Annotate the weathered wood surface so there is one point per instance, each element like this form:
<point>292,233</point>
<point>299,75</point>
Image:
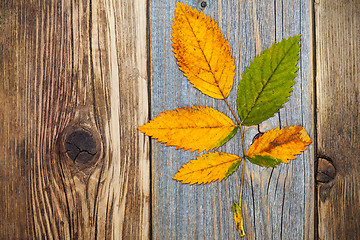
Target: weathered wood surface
<point>337,25</point>
<point>279,203</point>
<point>70,65</point>
<point>67,66</point>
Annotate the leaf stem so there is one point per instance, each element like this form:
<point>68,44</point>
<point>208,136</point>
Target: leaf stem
<point>238,214</point>
<point>242,140</point>
<point>244,159</point>
<point>242,180</point>
<point>238,122</point>
<point>241,227</point>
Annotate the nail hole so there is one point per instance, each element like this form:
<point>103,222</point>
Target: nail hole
<point>203,4</point>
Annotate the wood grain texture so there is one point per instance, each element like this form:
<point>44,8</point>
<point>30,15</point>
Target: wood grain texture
<point>68,65</point>
<point>278,203</point>
<point>337,25</point>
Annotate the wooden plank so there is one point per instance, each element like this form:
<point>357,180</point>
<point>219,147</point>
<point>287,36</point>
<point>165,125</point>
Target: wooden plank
<point>278,203</point>
<point>337,25</point>
<point>73,92</point>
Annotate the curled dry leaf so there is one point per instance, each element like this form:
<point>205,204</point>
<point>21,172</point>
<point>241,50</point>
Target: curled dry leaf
<point>207,168</point>
<point>238,218</point>
<point>202,52</point>
<point>280,143</point>
<point>195,128</point>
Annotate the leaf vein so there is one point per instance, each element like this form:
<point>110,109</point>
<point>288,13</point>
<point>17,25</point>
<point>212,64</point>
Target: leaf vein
<point>267,82</point>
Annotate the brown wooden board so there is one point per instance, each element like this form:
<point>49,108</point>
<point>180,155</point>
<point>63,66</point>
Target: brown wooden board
<point>73,90</point>
<point>337,26</point>
<point>278,203</point>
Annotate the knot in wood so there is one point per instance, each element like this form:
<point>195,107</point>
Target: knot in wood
<point>80,146</point>
<point>325,170</point>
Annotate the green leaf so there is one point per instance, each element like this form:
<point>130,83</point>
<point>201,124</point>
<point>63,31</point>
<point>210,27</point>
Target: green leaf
<point>267,84</point>
<point>232,169</point>
<point>264,161</point>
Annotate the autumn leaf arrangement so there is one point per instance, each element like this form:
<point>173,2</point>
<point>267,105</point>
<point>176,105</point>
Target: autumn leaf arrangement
<point>205,58</point>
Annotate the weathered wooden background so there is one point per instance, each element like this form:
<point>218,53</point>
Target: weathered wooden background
<point>279,203</point>
<point>73,78</point>
<point>79,77</point>
<point>337,40</point>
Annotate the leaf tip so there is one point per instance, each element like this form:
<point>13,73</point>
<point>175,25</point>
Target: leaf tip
<point>142,128</point>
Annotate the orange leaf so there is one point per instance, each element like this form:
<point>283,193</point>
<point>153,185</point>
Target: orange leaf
<point>207,168</point>
<point>196,128</point>
<point>202,52</point>
<point>281,144</point>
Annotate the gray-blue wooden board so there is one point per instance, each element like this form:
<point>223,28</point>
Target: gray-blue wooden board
<point>278,203</point>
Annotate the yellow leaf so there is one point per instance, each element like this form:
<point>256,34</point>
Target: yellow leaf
<point>196,128</point>
<point>207,168</point>
<point>202,52</point>
<point>281,144</point>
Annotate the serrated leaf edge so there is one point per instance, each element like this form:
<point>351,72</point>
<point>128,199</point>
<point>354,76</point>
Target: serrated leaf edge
<point>251,65</point>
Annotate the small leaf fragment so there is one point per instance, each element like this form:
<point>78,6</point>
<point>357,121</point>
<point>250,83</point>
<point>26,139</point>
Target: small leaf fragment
<point>195,128</point>
<point>280,143</point>
<point>264,161</point>
<point>232,169</point>
<point>202,52</point>
<point>238,218</point>
<point>207,168</point>
<point>267,84</point>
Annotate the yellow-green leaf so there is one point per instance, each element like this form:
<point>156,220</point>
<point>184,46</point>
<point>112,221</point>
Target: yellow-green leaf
<point>207,168</point>
<point>280,143</point>
<point>232,169</point>
<point>195,128</point>
<point>202,52</point>
<point>238,218</point>
<point>264,161</point>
